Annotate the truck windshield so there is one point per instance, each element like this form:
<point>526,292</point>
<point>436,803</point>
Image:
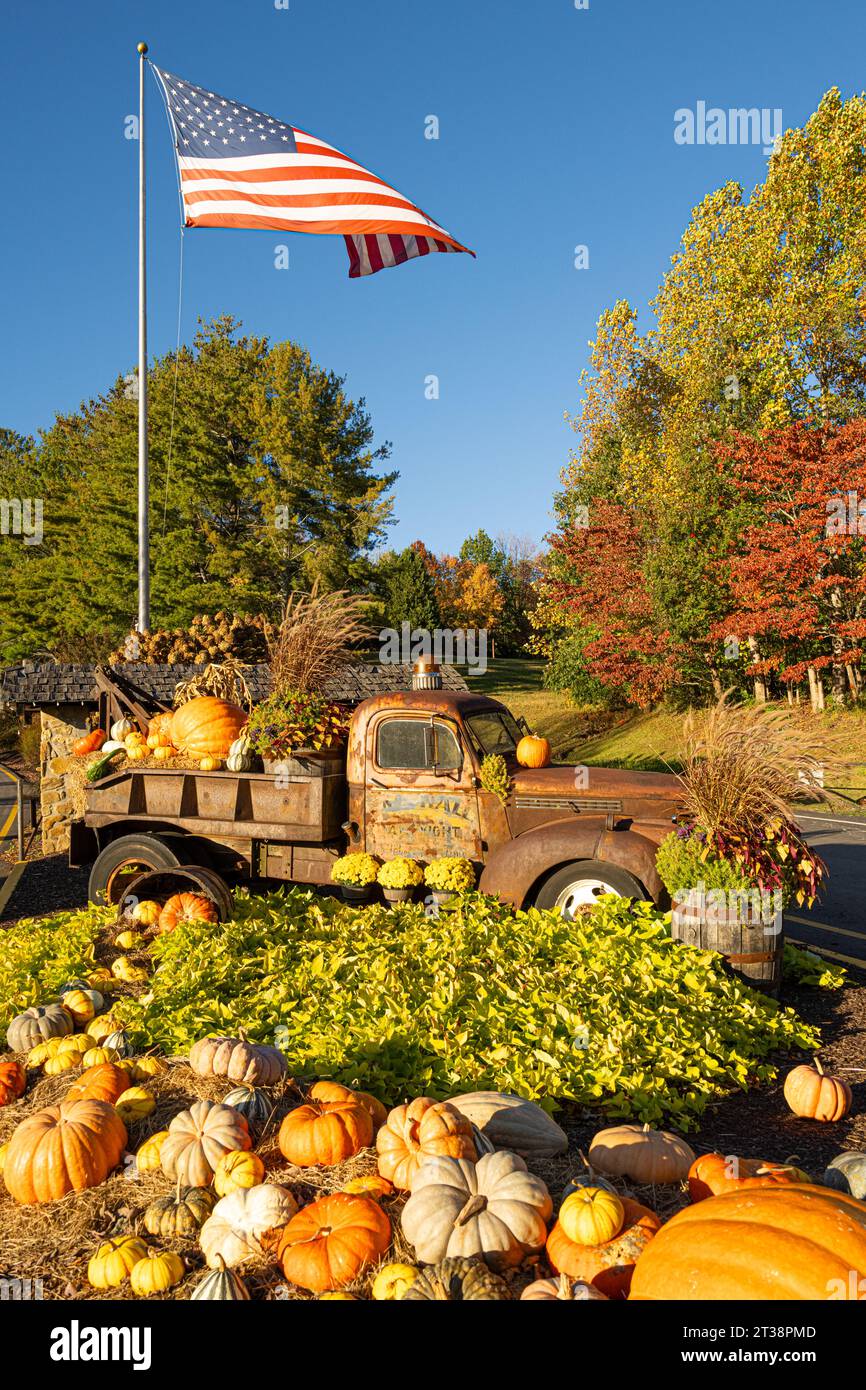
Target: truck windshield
<point>495,731</point>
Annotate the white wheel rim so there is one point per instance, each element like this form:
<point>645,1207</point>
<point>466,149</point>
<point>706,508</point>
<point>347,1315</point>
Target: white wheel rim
<point>583,893</point>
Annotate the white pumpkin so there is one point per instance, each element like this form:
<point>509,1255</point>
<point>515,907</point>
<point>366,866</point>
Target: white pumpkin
<point>121,729</point>
<point>510,1122</point>
<point>239,1223</point>
<point>494,1208</point>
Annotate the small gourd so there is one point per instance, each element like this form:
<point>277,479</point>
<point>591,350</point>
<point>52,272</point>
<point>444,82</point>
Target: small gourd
<point>114,1261</point>
<point>221,1285</point>
<point>159,1271</point>
<point>239,762</point>
<point>135,1104</point>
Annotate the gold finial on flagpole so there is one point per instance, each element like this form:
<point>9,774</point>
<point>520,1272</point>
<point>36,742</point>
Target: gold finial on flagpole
<point>142,48</point>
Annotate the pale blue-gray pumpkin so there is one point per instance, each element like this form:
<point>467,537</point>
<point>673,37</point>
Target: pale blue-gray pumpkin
<point>847,1173</point>
<point>37,1025</point>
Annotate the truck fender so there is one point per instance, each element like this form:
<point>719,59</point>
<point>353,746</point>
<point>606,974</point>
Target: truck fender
<point>514,869</point>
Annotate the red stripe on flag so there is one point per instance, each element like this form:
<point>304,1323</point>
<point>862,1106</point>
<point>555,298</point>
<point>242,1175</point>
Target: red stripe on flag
<point>281,173</point>
<point>399,247</point>
<point>354,258</point>
<point>376,262</point>
<point>323,200</point>
<point>363,226</point>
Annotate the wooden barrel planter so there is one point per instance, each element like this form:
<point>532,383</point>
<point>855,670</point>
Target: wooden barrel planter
<point>753,956</point>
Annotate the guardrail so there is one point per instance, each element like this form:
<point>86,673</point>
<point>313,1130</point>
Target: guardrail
<point>17,812</point>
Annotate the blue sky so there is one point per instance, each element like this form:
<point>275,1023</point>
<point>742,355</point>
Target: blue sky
<point>556,129</point>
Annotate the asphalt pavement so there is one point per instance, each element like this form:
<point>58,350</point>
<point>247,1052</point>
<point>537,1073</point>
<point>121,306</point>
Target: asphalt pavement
<point>837,924</point>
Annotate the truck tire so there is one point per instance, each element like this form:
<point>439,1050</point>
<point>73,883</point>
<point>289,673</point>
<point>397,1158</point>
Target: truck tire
<point>577,885</point>
<point>124,859</point>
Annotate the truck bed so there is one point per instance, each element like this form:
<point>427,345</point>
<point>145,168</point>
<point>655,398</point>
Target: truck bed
<point>306,803</point>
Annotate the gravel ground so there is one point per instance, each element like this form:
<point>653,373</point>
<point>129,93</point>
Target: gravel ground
<point>48,885</point>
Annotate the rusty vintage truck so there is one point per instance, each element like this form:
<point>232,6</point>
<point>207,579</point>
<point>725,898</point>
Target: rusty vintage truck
<point>408,783</point>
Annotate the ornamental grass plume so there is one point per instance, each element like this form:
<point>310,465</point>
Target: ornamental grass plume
<point>318,635</point>
<point>744,766</point>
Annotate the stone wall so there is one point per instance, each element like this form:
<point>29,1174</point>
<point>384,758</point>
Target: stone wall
<point>62,786</point>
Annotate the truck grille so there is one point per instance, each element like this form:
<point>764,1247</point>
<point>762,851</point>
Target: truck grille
<point>603,805</point>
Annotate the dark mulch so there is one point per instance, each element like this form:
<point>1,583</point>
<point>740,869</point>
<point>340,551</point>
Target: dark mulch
<point>758,1123</point>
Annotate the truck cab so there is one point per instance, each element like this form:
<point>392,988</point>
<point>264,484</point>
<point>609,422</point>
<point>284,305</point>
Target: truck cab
<point>563,836</point>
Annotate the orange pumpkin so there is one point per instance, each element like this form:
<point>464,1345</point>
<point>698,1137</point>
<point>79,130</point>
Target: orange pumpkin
<point>64,1148</point>
<point>90,743</point>
<point>712,1174</point>
<point>161,723</point>
<point>325,1132</point>
<point>186,907</point>
<point>422,1129</point>
<point>331,1242</point>
<point>792,1242</point>
<point>105,1082</point>
<point>13,1079</point>
<point>206,726</point>
<point>813,1095</point>
<point>608,1267</point>
<point>533,751</point>
<point>333,1090</point>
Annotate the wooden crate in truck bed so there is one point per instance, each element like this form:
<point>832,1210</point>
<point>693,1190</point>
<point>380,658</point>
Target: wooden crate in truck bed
<point>305,803</point>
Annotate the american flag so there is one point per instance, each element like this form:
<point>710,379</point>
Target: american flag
<point>241,168</point>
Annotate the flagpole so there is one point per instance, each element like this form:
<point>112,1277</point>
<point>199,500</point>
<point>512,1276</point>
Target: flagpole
<point>143,470</point>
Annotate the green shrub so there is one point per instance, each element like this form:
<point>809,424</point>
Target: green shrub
<point>606,1010</point>
<point>36,958</point>
<point>684,861</point>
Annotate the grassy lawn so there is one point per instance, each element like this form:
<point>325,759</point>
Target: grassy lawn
<point>649,742</point>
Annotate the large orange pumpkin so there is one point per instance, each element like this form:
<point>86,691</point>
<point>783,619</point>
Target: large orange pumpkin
<point>422,1129</point>
<point>792,1242</point>
<point>325,1132</point>
<point>608,1267</point>
<point>330,1242</point>
<point>13,1079</point>
<point>712,1174</point>
<point>533,751</point>
<point>64,1148</point>
<point>102,1082</point>
<point>186,907</point>
<point>334,1090</point>
<point>815,1096</point>
<point>206,726</point>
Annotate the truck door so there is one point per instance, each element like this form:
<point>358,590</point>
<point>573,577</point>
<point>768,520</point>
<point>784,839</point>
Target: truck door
<point>420,797</point>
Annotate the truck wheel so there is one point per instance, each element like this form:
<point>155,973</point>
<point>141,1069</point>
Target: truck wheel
<point>123,860</point>
<point>577,886</point>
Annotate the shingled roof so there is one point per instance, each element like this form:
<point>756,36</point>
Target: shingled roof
<point>34,684</point>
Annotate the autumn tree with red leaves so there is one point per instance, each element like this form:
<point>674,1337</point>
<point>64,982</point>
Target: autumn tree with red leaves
<point>798,583</point>
<point>608,595</point>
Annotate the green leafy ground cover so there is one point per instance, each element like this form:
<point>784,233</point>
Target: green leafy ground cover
<point>605,1011</point>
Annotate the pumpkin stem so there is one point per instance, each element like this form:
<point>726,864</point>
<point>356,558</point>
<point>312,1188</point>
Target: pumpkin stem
<point>471,1208</point>
<point>819,1069</point>
<point>564,1287</point>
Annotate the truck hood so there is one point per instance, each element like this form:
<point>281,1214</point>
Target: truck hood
<point>636,792</point>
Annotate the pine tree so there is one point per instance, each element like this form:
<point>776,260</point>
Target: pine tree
<point>410,594</point>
